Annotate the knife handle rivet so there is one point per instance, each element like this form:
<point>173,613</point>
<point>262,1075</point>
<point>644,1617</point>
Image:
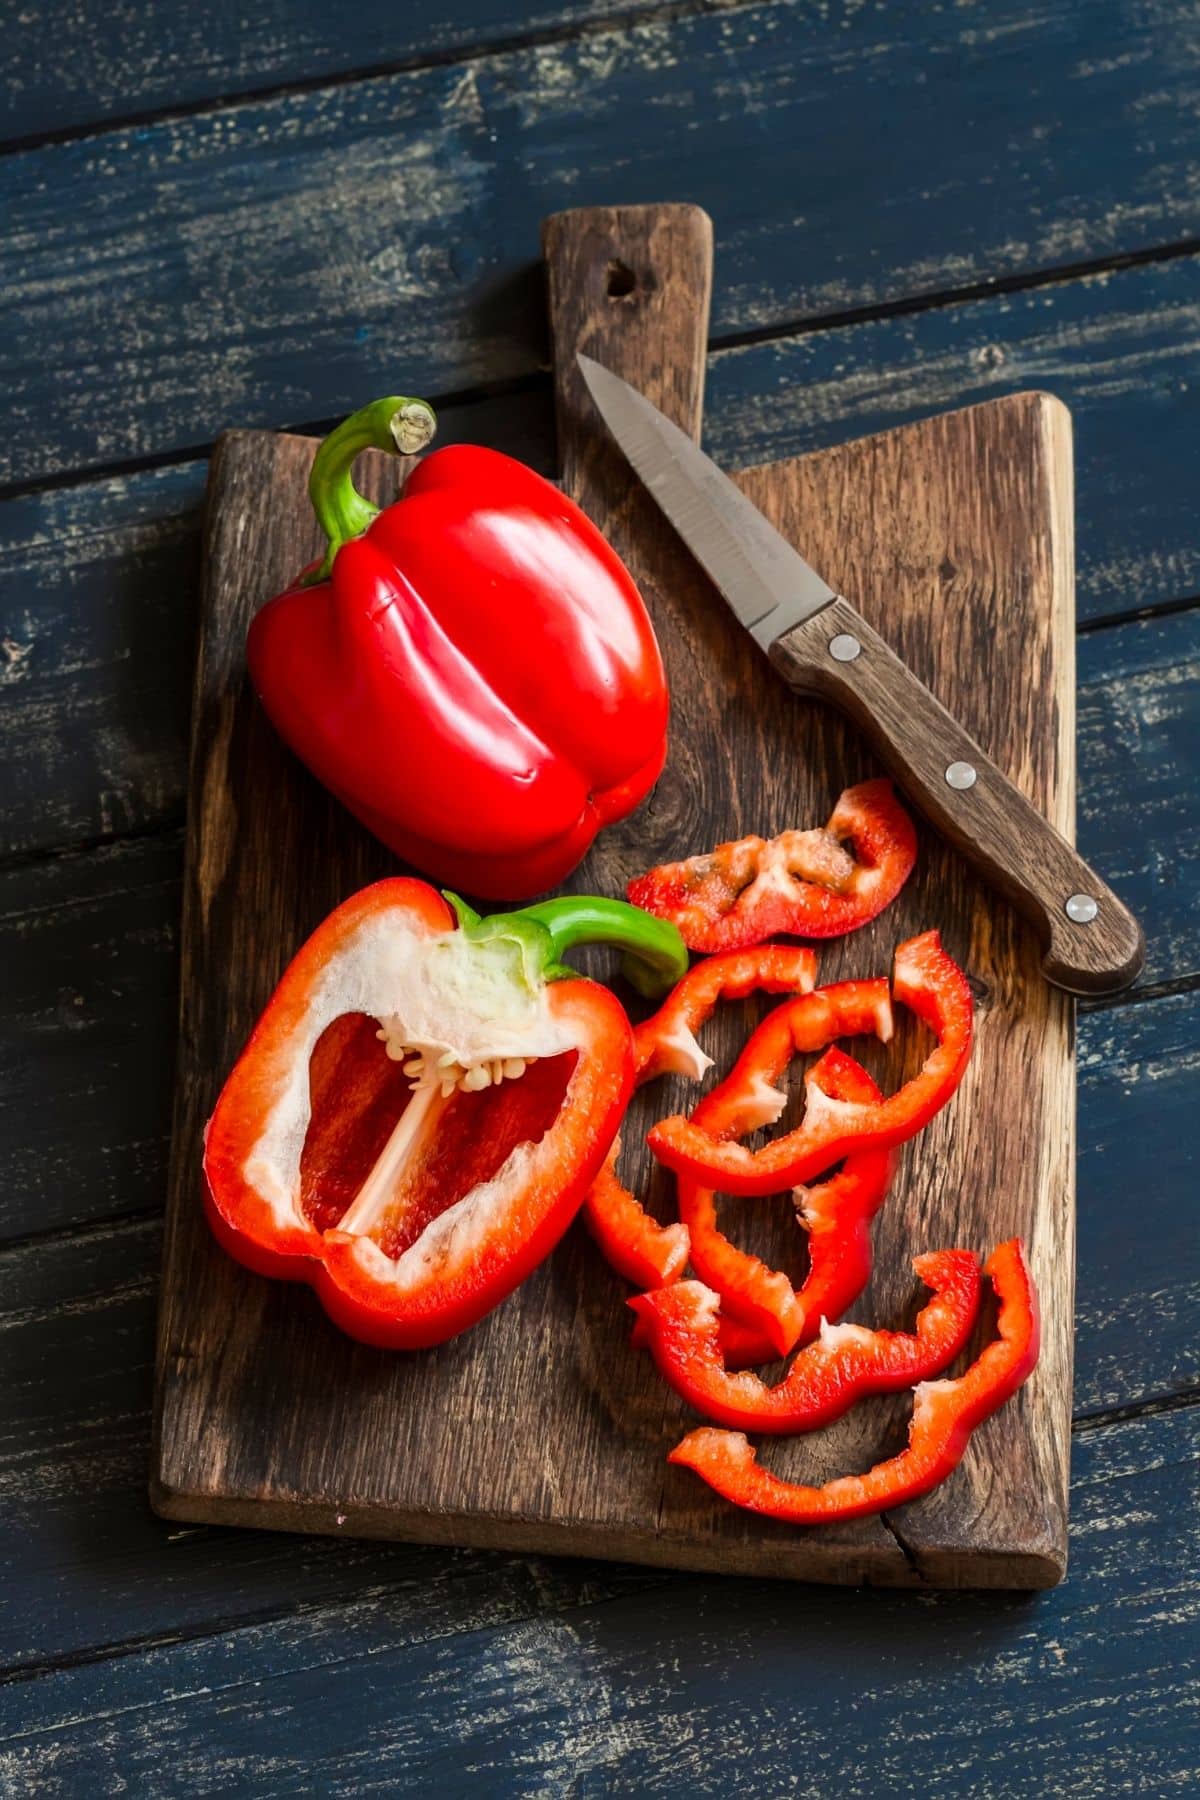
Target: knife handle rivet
<point>961,775</point>
<point>844,647</point>
<point>1081,909</point>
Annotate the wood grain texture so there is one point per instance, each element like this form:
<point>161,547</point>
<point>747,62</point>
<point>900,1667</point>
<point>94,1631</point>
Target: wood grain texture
<point>289,257</point>
<point>680,1685</point>
<point>548,1431</point>
<point>634,283</point>
<point>988,820</point>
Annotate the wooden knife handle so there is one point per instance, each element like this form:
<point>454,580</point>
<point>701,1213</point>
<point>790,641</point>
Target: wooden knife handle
<point>631,286</point>
<point>836,656</point>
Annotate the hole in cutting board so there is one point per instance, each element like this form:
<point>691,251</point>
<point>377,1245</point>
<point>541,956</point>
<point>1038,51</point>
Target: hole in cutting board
<point>621,281</point>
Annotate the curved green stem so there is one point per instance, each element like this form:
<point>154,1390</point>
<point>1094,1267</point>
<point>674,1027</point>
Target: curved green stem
<point>399,426</point>
<point>656,956</point>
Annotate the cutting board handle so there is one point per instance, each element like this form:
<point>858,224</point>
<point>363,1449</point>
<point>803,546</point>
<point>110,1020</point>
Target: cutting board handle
<point>631,286</point>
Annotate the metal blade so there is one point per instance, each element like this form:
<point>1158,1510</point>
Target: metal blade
<point>769,585</point>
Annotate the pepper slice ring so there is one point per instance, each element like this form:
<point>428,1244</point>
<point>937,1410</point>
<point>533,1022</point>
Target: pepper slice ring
<point>836,1213</point>
<point>829,1376</point>
<point>633,1242</point>
<point>944,1415</point>
<point>931,985</point>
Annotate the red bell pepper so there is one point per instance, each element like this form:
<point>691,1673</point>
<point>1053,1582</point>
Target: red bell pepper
<point>944,1415</point>
<point>800,884</point>
<point>471,670</point>
<point>636,1245</point>
<point>925,980</point>
<point>844,1365</point>
<point>837,1214</point>
<point>423,1105</point>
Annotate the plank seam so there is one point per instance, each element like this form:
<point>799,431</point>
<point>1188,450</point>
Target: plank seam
<point>1136,1409</point>
<point>1153,990</point>
<point>719,344</point>
<point>481,50</point>
<point>1134,615</point>
<point>1026,281</point>
<point>111,1225</point>
<point>15,1673</point>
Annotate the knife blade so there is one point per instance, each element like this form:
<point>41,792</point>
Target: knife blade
<point>822,647</point>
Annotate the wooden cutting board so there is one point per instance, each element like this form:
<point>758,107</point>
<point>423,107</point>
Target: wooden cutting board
<point>542,1429</point>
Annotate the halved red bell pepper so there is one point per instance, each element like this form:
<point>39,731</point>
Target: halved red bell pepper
<point>423,1105</point>
<point>930,984</point>
<point>845,1364</point>
<point>944,1415</point>
<point>799,884</point>
<point>636,1245</point>
<point>471,670</point>
<point>836,1213</point>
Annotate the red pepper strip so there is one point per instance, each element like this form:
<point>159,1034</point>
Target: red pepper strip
<point>742,1346</point>
<point>837,1213</point>
<point>943,1417</point>
<point>826,1379</point>
<point>414,1181</point>
<point>927,981</point>
<point>470,670</point>
<point>636,1245</point>
<point>800,884</point>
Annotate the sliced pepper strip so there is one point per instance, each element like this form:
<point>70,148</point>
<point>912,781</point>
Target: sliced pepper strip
<point>944,1415</point>
<point>636,1245</point>
<point>704,1147</point>
<point>799,884</point>
<point>846,1363</point>
<point>837,1214</point>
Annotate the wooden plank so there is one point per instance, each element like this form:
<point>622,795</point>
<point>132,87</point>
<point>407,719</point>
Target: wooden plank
<point>66,926</point>
<point>697,1686</point>
<point>98,601</point>
<point>98,637</point>
<point>90,954</point>
<point>281,259</point>
<point>1138,1063</point>
<point>552,1462</point>
<point>1139,735</point>
<point>62,66</point>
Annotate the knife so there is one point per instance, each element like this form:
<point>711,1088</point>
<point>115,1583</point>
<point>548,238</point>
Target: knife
<point>821,646</point>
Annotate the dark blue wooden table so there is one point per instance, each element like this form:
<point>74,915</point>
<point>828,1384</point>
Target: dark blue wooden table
<point>208,218</point>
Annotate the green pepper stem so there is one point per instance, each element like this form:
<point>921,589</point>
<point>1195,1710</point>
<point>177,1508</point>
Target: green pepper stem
<point>399,426</point>
<point>656,956</point>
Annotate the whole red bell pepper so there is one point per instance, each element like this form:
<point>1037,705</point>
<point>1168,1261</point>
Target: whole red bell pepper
<point>424,1103</point>
<point>799,884</point>
<point>930,984</point>
<point>636,1245</point>
<point>682,1329</point>
<point>944,1415</point>
<point>471,670</point>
